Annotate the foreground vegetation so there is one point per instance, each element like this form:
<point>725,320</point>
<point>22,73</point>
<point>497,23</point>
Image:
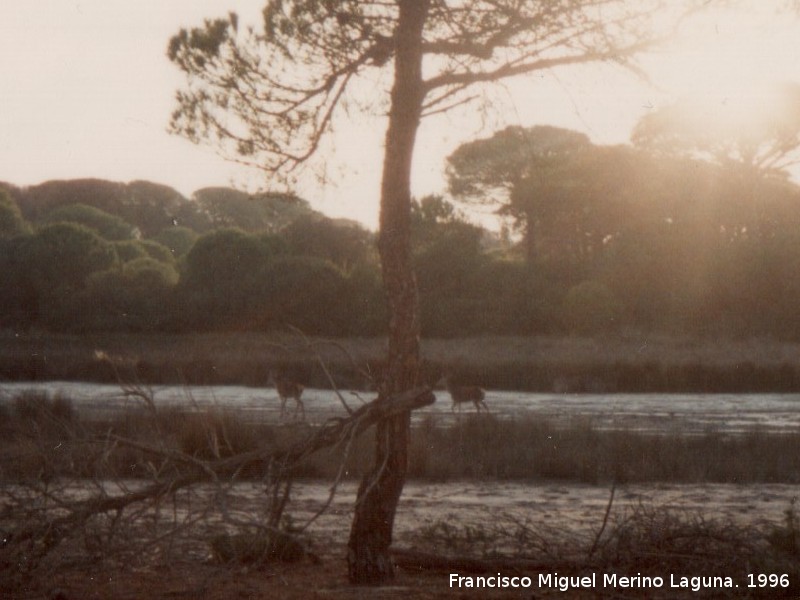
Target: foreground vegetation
<point>43,434</point>
<point>74,490</point>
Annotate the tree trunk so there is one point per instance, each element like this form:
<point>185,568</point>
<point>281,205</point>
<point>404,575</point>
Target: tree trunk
<point>369,561</point>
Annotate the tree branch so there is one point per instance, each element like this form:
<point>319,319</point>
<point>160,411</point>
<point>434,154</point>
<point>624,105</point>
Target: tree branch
<point>507,70</point>
<point>331,433</point>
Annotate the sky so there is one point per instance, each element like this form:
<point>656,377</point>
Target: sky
<point>86,90</point>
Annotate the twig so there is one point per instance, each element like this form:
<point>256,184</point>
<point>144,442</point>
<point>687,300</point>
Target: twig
<point>78,513</point>
<point>324,367</point>
<point>605,521</point>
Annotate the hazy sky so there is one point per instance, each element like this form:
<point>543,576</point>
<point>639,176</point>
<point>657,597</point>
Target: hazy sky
<point>86,90</point>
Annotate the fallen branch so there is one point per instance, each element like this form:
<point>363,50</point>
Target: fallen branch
<point>331,433</point>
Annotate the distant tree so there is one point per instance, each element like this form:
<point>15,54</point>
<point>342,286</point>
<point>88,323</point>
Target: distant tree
<point>430,215</point>
<point>302,291</point>
<point>18,304</point>
<point>516,299</point>
<point>108,226</point>
<point>135,297</point>
<point>752,144</point>
<point>445,269</point>
<point>11,221</point>
<point>220,275</point>
<point>153,206</point>
<point>344,243</point>
<point>660,275</point>
<point>754,289</point>
<point>63,255</point>
<point>220,258</point>
<point>151,271</point>
<point>12,190</point>
<point>157,251</point>
<point>274,243</point>
<point>363,301</point>
<point>131,250</point>
<point>128,250</point>
<point>40,199</point>
<point>145,205</point>
<point>178,239</point>
<point>432,210</point>
<point>227,207</point>
<point>19,301</point>
<point>467,288</point>
<point>53,265</point>
<point>447,251</point>
<point>267,98</point>
<point>762,138</point>
<point>536,175</point>
<point>236,280</point>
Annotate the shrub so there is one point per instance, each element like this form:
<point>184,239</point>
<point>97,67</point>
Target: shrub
<point>256,548</point>
<point>214,434</point>
<point>11,221</point>
<point>179,240</point>
<point>106,225</point>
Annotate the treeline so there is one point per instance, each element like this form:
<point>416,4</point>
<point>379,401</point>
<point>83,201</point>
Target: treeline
<point>621,240</point>
<point>93,255</point>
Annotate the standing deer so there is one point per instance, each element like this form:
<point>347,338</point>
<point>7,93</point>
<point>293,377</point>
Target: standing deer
<point>461,394</point>
<point>288,388</point>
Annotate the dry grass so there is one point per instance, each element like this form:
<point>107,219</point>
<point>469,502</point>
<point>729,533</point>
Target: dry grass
<point>41,434</point>
<point>646,540</point>
<point>481,447</point>
<point>48,452</point>
<point>622,363</point>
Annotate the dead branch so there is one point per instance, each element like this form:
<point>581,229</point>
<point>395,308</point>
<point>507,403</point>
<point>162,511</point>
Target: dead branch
<point>596,542</point>
<point>197,471</point>
<point>324,367</point>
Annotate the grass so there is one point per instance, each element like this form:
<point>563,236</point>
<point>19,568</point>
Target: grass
<point>42,439</point>
<point>631,363</point>
<point>484,448</point>
<point>43,435</point>
<point>653,542</point>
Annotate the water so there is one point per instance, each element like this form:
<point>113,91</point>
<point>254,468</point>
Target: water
<point>643,412</point>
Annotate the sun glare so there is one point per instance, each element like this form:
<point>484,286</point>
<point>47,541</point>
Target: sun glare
<point>730,61</point>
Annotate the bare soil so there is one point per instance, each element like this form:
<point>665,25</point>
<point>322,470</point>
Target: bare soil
<point>561,512</point>
<point>213,582</point>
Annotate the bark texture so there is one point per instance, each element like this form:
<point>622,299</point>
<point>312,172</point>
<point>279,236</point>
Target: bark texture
<point>368,557</point>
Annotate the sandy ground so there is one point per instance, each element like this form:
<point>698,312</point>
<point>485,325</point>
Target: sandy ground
<point>565,514</point>
<point>575,509</point>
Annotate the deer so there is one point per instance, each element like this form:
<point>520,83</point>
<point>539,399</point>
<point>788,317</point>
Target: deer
<point>288,388</point>
<point>461,394</point>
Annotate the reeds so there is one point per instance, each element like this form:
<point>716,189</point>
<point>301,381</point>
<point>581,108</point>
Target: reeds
<point>621,364</point>
<point>482,447</point>
<point>44,434</point>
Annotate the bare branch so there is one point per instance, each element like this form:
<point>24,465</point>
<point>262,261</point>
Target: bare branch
<point>267,100</point>
<point>512,70</point>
